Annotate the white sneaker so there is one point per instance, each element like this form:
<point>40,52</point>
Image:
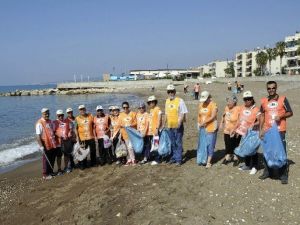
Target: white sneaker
<point>253,171</point>
<point>154,163</point>
<point>49,177</point>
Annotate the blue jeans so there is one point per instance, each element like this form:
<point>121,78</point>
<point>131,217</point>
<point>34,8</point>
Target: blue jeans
<point>176,135</point>
<point>211,138</point>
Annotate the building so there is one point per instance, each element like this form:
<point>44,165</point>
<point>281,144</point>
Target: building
<point>163,73</point>
<point>217,68</point>
<point>292,54</point>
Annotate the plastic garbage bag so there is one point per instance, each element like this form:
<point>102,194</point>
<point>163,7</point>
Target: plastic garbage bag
<point>202,147</point>
<point>136,139</point>
<point>248,144</point>
<point>106,141</point>
<point>273,148</point>
<point>164,147</point>
<point>80,153</point>
<point>155,144</point>
<point>121,150</point>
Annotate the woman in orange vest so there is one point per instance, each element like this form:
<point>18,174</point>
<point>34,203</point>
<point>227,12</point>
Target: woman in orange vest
<point>128,118</point>
<point>101,128</point>
<point>248,118</point>
<point>155,122</point>
<point>46,140</point>
<point>142,118</point>
<point>85,134</point>
<point>63,132</point>
<point>115,131</point>
<point>228,123</point>
<point>207,118</point>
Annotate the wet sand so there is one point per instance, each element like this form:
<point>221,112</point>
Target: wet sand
<point>163,194</point>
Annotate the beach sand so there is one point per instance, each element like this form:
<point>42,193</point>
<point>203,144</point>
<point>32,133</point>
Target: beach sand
<point>163,194</point>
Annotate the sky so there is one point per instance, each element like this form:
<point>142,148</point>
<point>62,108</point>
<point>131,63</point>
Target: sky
<point>52,40</point>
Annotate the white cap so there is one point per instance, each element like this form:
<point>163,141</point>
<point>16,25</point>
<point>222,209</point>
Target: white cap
<point>170,87</point>
<point>247,94</point>
<point>204,96</point>
<point>110,107</point>
<point>151,98</point>
<point>81,107</point>
<point>99,107</point>
<point>115,107</point>
<point>69,110</point>
<point>59,112</point>
<point>43,110</point>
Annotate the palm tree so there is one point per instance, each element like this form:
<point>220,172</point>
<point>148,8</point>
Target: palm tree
<point>280,49</point>
<point>261,60</point>
<point>272,53</point>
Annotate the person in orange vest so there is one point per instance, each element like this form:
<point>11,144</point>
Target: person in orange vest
<point>155,123</point>
<point>275,109</point>
<point>176,111</point>
<point>207,118</point>
<point>45,137</point>
<point>115,131</point>
<point>128,118</point>
<point>248,118</point>
<point>142,118</point>
<point>71,119</point>
<point>228,123</point>
<point>85,134</point>
<point>101,128</point>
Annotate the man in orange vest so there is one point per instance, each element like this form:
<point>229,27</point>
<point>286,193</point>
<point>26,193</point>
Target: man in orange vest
<point>275,109</point>
<point>46,140</point>
<point>85,134</point>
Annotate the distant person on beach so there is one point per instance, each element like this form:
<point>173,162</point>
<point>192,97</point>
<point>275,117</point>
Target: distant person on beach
<point>128,119</point>
<point>152,88</point>
<point>85,135</point>
<point>228,123</point>
<point>275,109</point>
<point>196,91</point>
<point>248,118</point>
<point>229,86</point>
<point>207,118</point>
<point>47,144</point>
<point>176,111</point>
<point>185,88</point>
<point>142,118</point>
<point>155,122</point>
<point>71,119</point>
<point>101,129</point>
<point>63,132</point>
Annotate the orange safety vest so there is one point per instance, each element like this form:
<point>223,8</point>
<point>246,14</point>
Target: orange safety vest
<point>101,125</point>
<point>273,108</point>
<point>62,130</point>
<point>230,118</point>
<point>115,124</point>
<point>154,120</point>
<point>246,119</point>
<point>85,127</point>
<point>142,122</point>
<point>125,121</point>
<point>206,112</point>
<point>47,136</point>
<point>172,112</point>
<point>72,127</point>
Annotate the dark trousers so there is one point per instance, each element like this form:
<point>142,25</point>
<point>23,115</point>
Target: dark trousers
<point>51,155</point>
<point>89,143</point>
<point>196,95</point>
<point>283,171</point>
<point>106,154</point>
<point>147,145</point>
<point>176,135</point>
<point>252,161</point>
<point>231,143</point>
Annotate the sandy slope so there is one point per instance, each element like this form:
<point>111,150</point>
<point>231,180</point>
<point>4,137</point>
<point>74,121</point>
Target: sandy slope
<point>162,194</point>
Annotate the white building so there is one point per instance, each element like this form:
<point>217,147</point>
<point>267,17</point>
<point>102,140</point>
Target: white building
<point>292,58</point>
<point>162,73</point>
<point>215,68</point>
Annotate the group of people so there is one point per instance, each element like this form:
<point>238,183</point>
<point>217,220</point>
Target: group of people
<point>56,138</point>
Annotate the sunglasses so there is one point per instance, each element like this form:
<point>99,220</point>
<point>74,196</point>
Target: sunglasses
<point>271,88</point>
<point>125,107</point>
<point>248,99</point>
<point>170,92</point>
<point>60,115</point>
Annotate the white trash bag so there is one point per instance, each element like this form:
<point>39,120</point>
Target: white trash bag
<point>106,141</point>
<point>80,153</point>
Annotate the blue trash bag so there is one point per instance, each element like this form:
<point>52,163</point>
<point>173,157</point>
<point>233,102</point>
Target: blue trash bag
<point>273,148</point>
<point>249,144</point>
<point>164,147</point>
<point>136,139</point>
<point>202,147</point>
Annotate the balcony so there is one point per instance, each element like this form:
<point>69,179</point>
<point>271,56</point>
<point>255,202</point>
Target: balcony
<point>249,56</point>
<point>239,57</point>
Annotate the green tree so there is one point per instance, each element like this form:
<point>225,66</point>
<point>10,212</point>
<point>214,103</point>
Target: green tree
<point>272,53</point>
<point>230,69</point>
<point>280,50</point>
<point>261,60</point>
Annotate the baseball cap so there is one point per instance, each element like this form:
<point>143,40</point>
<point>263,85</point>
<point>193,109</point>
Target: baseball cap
<point>115,107</point>
<point>247,94</point>
<point>81,107</point>
<point>43,110</point>
<point>151,98</point>
<point>231,98</point>
<point>99,107</point>
<point>170,87</point>
<point>204,96</point>
<point>59,112</point>
<point>69,110</point>
<point>142,105</point>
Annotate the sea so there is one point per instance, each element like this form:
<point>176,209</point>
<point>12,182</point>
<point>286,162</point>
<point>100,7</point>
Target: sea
<point>18,116</point>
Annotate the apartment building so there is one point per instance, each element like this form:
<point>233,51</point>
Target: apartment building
<point>292,58</point>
